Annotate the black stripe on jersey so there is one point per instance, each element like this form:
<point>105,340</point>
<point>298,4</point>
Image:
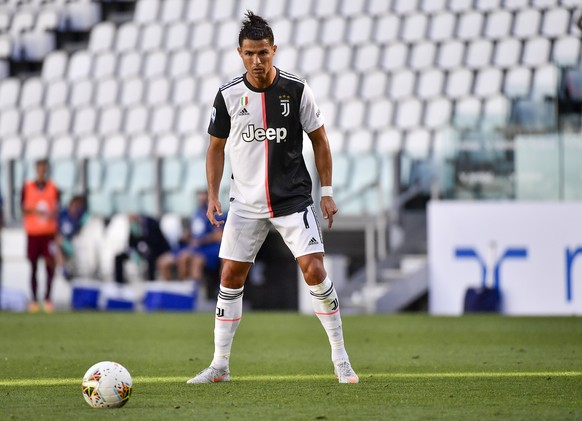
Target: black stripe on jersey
<point>233,82</point>
<point>291,76</point>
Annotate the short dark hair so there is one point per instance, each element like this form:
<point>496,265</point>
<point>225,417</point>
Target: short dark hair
<point>256,28</point>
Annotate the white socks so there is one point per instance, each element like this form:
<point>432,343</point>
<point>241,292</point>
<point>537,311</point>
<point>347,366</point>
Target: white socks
<point>228,315</point>
<point>326,307</point>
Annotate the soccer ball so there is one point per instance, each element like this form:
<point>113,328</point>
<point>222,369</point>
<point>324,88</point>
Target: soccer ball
<point>107,385</point>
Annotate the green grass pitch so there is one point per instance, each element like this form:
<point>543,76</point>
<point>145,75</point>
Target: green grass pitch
<point>411,367</point>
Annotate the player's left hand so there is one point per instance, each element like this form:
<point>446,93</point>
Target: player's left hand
<point>328,209</point>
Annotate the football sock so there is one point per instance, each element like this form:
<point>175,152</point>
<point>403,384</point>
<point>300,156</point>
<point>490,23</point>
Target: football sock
<point>228,315</point>
<point>326,307</point>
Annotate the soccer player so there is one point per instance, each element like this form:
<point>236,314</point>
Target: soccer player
<point>261,116</point>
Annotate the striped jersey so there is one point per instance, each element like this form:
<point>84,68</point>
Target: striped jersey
<point>264,131</point>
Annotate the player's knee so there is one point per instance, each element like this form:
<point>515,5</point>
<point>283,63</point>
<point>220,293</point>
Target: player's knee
<point>314,272</point>
<point>232,278</point>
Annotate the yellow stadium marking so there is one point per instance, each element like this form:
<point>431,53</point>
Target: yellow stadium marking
<point>297,377</point>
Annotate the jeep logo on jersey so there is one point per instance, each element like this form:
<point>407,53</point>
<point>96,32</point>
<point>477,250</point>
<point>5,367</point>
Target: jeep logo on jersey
<point>279,134</point>
<point>285,105</point>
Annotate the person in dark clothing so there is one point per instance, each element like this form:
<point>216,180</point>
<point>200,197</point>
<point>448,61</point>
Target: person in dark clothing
<point>146,243</point>
<point>70,221</point>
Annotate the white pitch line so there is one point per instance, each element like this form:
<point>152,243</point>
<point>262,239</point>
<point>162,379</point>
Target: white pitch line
<point>298,377</point>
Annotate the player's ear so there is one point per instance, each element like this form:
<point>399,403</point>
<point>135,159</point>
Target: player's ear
<point>274,48</point>
<point>239,50</point>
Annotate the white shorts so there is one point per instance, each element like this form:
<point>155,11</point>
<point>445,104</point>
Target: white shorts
<point>243,237</point>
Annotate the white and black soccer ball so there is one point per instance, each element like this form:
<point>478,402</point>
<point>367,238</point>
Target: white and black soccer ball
<point>107,385</point>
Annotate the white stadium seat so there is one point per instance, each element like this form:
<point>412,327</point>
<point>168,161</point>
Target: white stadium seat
<point>136,120</point>
<point>459,83</point>
<point>32,92</point>
<point>417,144</point>
<point>536,51</point>
<point>467,113</point>
<point>423,55</point>
<point>146,11</point>
<point>360,30</point>
<point>197,11</point>
<point>555,22</point>
<point>479,54</point>
<point>305,33</point>
<point>140,147</point>
<point>106,92</point>
<point>507,53</point>
<point>151,37</point>
<point>105,65</point>
<point>451,55</point>
<point>402,84</point>
<point>130,64</point>
<point>346,86</point>
<point>88,147</point>
<point>360,141</point>
<point>299,9</point>
<point>386,29</point>
<point>566,51</point>
<point>488,5</point>
<point>177,35</point>
<point>415,27</point>
<point>527,23</point>
<point>367,57</point>
<point>12,148</point>
<point>102,37</point>
<point>339,58</point>
<point>162,120</point>
<point>63,147</point>
<point>430,83</point>
<point>389,141</point>
<point>36,147</point>
<point>173,10</point>
<point>59,122</point>
<point>312,59</point>
<point>84,121</point>
<point>132,92</point>
<point>115,147</point>
<point>167,145</point>
<point>33,122</point>
<point>184,91</point>
<point>408,114</point>
<point>154,64</point>
<point>515,4</point>
<point>56,94</point>
<point>545,81</point>
<point>128,35</point>
<point>180,64</point>
<point>517,82</point>
<point>442,27</point>
<point>110,120</point>
<point>403,7</point>
<point>206,63</point>
<point>9,122</point>
<point>488,82</point>
<point>81,93</point>
<point>80,66</point>
<point>394,57</point>
<point>498,24</point>
<point>373,85</point>
<point>352,7</point>
<point>55,65</point>
<point>433,6</point>
<point>438,113</point>
<point>379,115</point>
<point>221,10</point>
<point>351,114</point>
<point>326,9</point>
<point>158,91</point>
<point>9,92</point>
<point>470,25</point>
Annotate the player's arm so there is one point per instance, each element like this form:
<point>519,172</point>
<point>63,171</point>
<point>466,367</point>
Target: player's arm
<point>323,164</point>
<point>214,170</point>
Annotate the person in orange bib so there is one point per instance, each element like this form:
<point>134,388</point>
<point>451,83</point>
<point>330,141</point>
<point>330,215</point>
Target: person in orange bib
<point>40,206</point>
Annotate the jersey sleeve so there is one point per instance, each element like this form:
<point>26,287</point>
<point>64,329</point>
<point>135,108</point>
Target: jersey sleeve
<point>310,114</point>
<point>219,119</point>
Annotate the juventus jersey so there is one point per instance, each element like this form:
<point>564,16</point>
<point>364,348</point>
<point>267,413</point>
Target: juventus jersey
<point>264,131</point>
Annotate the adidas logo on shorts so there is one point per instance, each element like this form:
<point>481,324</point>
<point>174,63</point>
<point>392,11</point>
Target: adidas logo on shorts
<point>244,112</point>
<point>313,242</point>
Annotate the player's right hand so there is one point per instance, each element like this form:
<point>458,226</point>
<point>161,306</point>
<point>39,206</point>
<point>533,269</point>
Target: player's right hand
<point>214,208</point>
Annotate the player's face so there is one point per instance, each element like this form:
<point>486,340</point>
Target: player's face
<point>257,57</point>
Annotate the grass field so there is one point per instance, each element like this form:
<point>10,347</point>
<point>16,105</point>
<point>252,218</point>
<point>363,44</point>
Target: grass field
<point>410,366</point>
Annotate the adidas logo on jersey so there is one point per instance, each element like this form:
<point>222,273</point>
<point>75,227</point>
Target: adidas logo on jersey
<point>244,112</point>
<point>313,242</point>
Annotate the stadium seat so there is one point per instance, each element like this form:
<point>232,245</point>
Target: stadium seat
<point>147,11</point>
<point>102,37</point>
<point>155,64</point>
<point>221,10</point>
<point>536,51</point>
<point>430,83</point>
<point>394,57</point>
<point>408,114</point>
<point>180,64</point>
<point>417,144</point>
<point>566,51</point>
<point>36,147</point>
<point>495,112</point>
<point>167,145</point>
<point>498,25</point>
<point>115,239</point>
<point>300,9</point>
<point>55,66</point>
<point>187,119</point>
<point>113,151</point>
<point>208,87</point>
<point>194,145</point>
<point>230,64</point>
<point>173,10</point>
<point>80,16</point>
<point>415,28</point>
<point>379,115</point>
<point>274,9</point>
<point>89,147</point>
<point>106,92</point>
<point>469,26</point>
<point>488,5</point>
<point>555,22</point>
<point>442,27</point>
<point>386,29</point>
<point>451,55</point>
<point>346,86</point>
<point>336,142</point>
<point>423,55</point>
<point>171,226</point>
<point>373,85</point>
<point>127,37</point>
<point>206,63</point>
<point>351,114</point>
<point>81,93</point>
<point>329,111</point>
<point>158,91</point>
<point>63,148</point>
<point>359,29</point>
<point>140,147</point>
<point>31,93</point>
<point>479,54</point>
<point>177,35</point>
<point>183,91</point>
<point>402,84</point>
<point>227,37</point>
<point>389,141</point>
<point>403,7</point>
<point>311,60</point>
<point>360,141</point>
<point>56,93</point>
<point>104,65</point>
<point>339,59</point>
<point>59,122</point>
<point>438,113</point>
<point>162,120</point>
<point>130,65</point>
<point>33,122</point>
<point>507,53</point>
<point>132,92</point>
<point>136,120</point>
<point>80,66</point>
<point>526,23</point>
<point>545,81</point>
<point>9,92</point>
<point>515,4</point>
<point>459,83</point>
<point>151,37</point>
<point>517,82</point>
<point>12,147</point>
<point>110,120</point>
<point>84,121</point>
<point>488,82</point>
<point>201,35</point>
<point>467,113</point>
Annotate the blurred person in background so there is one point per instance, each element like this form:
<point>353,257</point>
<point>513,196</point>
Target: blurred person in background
<point>146,244</point>
<point>40,207</point>
<point>205,242</point>
<point>71,220</point>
